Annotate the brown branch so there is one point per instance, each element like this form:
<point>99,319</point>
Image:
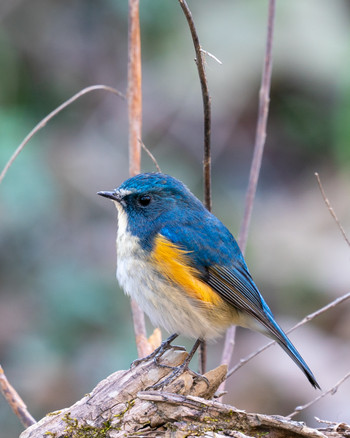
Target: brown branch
<point>307,318</point>
<point>53,113</point>
<point>207,133</point>
<point>135,128</point>
<point>206,104</point>
<point>202,357</point>
<point>134,89</point>
<point>260,138</point>
<point>330,209</point>
<point>122,405</point>
<point>331,391</point>
<point>114,405</point>
<point>14,400</point>
<point>260,135</point>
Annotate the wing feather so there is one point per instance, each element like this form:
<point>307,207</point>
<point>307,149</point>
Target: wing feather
<point>239,290</point>
<point>218,262</point>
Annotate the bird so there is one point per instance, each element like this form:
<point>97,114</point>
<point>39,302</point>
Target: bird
<point>184,268</point>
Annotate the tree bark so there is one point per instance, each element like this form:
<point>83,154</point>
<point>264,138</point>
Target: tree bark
<point>121,405</point>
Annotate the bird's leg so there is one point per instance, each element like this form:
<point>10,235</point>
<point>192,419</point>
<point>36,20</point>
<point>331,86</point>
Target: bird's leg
<point>177,371</point>
<point>202,354</point>
<point>158,352</point>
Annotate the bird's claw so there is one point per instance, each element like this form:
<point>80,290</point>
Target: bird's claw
<point>158,352</point>
<point>177,371</point>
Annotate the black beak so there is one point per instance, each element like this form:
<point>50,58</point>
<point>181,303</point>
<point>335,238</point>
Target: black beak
<point>115,196</point>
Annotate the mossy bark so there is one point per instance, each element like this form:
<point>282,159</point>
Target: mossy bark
<point>122,406</point>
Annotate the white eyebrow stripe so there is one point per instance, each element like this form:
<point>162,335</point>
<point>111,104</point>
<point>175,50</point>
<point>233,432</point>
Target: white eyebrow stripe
<point>124,192</point>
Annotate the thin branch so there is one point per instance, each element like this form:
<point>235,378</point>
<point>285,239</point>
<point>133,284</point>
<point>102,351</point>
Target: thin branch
<point>211,56</point>
<point>207,133</point>
<point>329,423</point>
<point>14,400</point>
<point>206,104</point>
<point>260,138</point>
<point>149,153</point>
<point>134,88</point>
<point>229,346</point>
<point>202,357</point>
<point>331,391</point>
<point>51,115</point>
<point>330,209</point>
<point>135,128</point>
<point>307,318</point>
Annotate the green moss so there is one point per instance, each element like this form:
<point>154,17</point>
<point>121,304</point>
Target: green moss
<point>210,420</point>
<point>74,429</point>
<point>52,414</point>
<point>80,429</point>
<point>129,405</point>
<point>196,428</point>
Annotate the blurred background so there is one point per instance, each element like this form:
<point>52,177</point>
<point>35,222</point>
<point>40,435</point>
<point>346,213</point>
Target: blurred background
<point>64,322</point>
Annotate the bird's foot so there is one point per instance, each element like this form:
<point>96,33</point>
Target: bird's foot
<point>158,352</point>
<point>177,371</point>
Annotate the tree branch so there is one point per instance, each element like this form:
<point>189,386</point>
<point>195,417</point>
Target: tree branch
<point>332,391</point>
<point>330,209</point>
<point>149,153</point>
<point>206,104</point>
<point>50,116</point>
<point>121,405</point>
<point>260,138</point>
<point>134,89</point>
<point>14,400</point>
<point>135,133</point>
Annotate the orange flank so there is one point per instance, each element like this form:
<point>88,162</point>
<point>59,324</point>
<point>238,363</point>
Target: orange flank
<point>174,263</point>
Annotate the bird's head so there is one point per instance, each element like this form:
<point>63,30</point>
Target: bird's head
<point>150,200</point>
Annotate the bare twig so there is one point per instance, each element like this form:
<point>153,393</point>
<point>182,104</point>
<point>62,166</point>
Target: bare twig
<point>256,162</point>
<point>134,89</point>
<point>135,127</point>
<point>53,113</point>
<point>260,135</point>
<point>329,423</point>
<point>202,357</point>
<point>229,346</point>
<point>211,56</point>
<point>14,400</point>
<point>206,104</point>
<point>307,318</point>
<point>330,209</point>
<point>207,133</point>
<point>332,391</point>
<point>149,153</point>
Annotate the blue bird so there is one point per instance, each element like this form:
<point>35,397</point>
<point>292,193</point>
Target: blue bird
<point>183,266</point>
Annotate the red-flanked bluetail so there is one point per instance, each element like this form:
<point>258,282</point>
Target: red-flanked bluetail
<point>183,266</point>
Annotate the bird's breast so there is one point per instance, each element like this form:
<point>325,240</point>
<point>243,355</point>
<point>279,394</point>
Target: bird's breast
<point>147,279</point>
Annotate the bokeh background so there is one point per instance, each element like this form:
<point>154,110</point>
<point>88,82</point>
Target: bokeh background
<point>64,323</point>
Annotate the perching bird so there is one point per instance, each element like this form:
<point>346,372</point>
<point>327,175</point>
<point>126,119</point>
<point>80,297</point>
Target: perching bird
<point>183,266</point>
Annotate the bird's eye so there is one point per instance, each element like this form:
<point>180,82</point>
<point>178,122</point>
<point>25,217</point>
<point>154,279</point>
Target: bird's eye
<point>144,200</point>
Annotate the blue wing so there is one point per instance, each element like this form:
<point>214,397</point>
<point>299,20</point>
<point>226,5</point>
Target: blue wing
<point>215,254</point>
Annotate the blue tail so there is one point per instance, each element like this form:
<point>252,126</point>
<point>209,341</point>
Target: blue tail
<point>277,334</point>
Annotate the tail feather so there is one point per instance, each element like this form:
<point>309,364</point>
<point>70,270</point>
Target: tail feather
<point>282,339</point>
